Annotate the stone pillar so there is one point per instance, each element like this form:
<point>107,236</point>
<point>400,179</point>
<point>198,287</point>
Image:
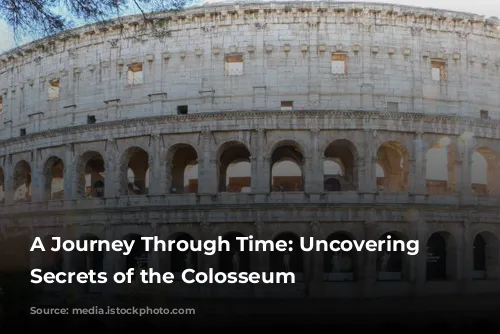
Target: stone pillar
<point>207,166</point>
<point>368,276</point>
<point>69,172</point>
<point>465,254</point>
<point>261,171</point>
<point>314,167</point>
<point>111,263</point>
<point>112,175</point>
<point>315,269</point>
<point>369,186</point>
<point>8,172</point>
<point>419,262</point>
<point>38,178</point>
<point>207,261</point>
<point>418,164</point>
<point>465,188</point>
<point>259,260</point>
<point>156,185</point>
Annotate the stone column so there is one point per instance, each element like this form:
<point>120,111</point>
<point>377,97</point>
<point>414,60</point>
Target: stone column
<point>368,276</point>
<point>418,164</point>
<point>207,166</point>
<point>315,269</point>
<point>156,185</point>
<point>369,185</point>
<point>207,261</point>
<point>111,263</point>
<point>112,175</point>
<point>261,171</point>
<point>465,257</point>
<point>314,167</point>
<point>419,261</point>
<point>465,188</point>
<point>259,260</point>
<point>8,171</point>
<point>38,178</point>
<point>69,171</point>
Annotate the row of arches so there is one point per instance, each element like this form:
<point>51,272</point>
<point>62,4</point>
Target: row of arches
<point>287,163</point>
<point>391,264</point>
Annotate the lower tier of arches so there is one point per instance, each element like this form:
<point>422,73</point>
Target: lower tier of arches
<point>446,257</point>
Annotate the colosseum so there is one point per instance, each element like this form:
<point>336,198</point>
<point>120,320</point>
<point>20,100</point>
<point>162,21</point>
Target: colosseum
<point>278,120</point>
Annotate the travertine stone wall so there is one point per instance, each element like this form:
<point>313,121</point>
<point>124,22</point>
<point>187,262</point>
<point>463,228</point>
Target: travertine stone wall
<point>286,50</point>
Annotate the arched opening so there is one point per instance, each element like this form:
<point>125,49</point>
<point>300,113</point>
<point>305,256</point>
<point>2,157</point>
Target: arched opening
<point>486,264</point>
<point>181,260</point>
<point>135,167</point>
<point>287,163</point>
<point>393,157</point>
<point>22,181</point>
<point>390,260</point>
<point>440,257</point>
<point>90,260</point>
<point>484,172</point>
<point>2,187</point>
<point>234,168</point>
<point>340,165</point>
<point>54,178</point>
<point>339,265</point>
<point>288,261</point>
<point>332,184</point>
<point>183,176</point>
<point>138,257</point>
<point>440,168</point>
<point>379,171</point>
<point>91,170</point>
<point>235,260</point>
<point>51,261</point>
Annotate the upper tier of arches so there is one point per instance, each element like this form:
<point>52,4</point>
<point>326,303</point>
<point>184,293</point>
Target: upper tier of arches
<point>258,162</point>
<point>213,59</point>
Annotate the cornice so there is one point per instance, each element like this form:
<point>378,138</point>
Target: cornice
<point>364,118</point>
<point>367,14</point>
<point>429,212</point>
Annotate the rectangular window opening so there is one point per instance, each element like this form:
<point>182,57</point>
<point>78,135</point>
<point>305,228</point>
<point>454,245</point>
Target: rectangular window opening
<point>182,110</point>
<point>339,63</point>
<point>22,132</point>
<point>485,114</point>
<point>1,105</point>
<point>53,90</point>
<point>234,64</point>
<point>438,70</point>
<point>286,105</point>
<point>392,106</point>
<point>135,75</point>
<point>91,119</point>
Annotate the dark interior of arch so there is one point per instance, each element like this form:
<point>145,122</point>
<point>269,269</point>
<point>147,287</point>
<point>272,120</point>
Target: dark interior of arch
<point>287,152</point>
<point>345,151</point>
<point>479,252</point>
<point>436,258</point>
<point>235,260</point>
<point>289,261</point>
<point>138,162</point>
<point>138,257</point>
<point>182,260</point>
<point>341,261</point>
<point>234,153</point>
<point>180,157</point>
<point>390,261</point>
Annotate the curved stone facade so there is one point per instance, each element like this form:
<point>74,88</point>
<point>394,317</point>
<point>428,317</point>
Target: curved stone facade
<point>384,118</point>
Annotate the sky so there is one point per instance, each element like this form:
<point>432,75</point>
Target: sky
<point>482,7</point>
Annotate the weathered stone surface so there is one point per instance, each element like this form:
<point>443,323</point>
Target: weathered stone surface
<point>286,50</point>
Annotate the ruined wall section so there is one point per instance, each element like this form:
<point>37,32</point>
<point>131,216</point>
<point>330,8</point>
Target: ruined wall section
<point>287,52</point>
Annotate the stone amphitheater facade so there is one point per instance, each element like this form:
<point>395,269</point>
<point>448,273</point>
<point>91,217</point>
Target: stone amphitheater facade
<point>100,125</point>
